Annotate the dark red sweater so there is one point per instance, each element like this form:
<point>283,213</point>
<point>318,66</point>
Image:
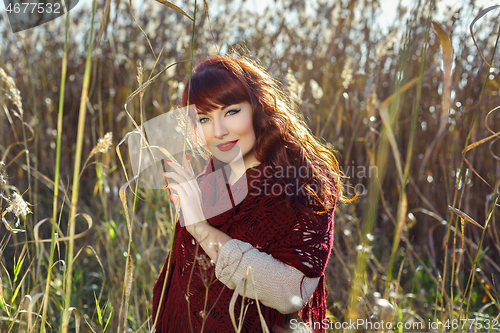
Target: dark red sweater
<point>250,211</point>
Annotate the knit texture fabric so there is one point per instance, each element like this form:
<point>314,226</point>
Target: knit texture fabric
<point>275,284</point>
<point>267,220</point>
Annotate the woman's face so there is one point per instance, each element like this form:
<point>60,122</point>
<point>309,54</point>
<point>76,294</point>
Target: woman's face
<point>228,132</point>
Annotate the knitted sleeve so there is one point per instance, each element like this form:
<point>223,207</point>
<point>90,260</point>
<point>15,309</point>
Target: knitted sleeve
<point>277,285</point>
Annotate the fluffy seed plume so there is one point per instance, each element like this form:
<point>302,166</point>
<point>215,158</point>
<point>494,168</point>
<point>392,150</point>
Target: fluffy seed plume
<point>347,73</point>
<point>18,206</point>
<point>103,144</point>
<point>140,73</point>
<point>12,93</point>
<point>3,175</point>
<point>316,89</point>
<point>385,48</point>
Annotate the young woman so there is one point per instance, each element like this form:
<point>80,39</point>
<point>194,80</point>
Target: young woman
<point>269,212</point>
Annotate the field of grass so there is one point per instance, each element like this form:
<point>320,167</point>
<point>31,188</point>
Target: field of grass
<point>411,108</point>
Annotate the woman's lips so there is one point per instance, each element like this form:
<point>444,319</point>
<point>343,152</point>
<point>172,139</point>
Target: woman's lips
<point>228,145</point>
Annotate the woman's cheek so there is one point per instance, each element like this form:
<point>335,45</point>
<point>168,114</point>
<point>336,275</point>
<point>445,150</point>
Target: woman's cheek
<point>242,128</point>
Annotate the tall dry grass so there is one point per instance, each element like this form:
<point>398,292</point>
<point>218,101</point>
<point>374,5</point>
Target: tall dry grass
<point>411,107</point>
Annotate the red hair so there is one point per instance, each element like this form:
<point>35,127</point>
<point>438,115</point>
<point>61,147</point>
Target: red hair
<point>282,136</point>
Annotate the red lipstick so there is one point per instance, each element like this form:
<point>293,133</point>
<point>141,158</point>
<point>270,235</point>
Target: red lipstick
<point>228,145</point>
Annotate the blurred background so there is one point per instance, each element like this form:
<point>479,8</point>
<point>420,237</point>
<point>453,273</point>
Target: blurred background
<point>398,88</point>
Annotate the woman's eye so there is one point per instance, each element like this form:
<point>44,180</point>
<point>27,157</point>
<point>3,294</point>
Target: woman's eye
<point>228,113</point>
<point>231,112</point>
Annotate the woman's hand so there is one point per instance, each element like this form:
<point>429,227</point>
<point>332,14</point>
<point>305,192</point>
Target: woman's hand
<point>188,192</point>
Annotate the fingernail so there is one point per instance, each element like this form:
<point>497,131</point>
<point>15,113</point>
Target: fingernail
<point>187,157</point>
<point>171,196</point>
<point>166,186</point>
<point>169,161</point>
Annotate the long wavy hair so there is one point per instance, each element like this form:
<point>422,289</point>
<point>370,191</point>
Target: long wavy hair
<point>282,135</point>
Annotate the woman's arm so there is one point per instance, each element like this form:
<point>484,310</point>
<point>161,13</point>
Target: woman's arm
<point>210,239</point>
<point>187,188</point>
<point>277,285</point>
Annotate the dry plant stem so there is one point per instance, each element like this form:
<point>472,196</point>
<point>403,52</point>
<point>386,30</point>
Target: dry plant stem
<point>189,284</point>
<point>56,179</point>
<point>122,316</point>
<point>403,202</point>
<point>447,50</point>
<point>124,304</point>
<point>460,177</point>
<point>178,200</point>
<point>25,142</point>
<point>205,315</point>
<point>184,153</point>
<point>76,179</point>
<point>473,269</point>
<point>101,161</point>
<point>454,261</point>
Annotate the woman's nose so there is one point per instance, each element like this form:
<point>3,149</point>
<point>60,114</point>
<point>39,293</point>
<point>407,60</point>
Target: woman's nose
<point>220,131</point>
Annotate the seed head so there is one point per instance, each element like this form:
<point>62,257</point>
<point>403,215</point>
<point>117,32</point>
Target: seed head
<point>3,175</point>
<point>18,206</point>
<point>140,74</point>
<point>103,144</point>
<point>316,89</point>
<point>374,99</point>
<point>385,48</point>
<point>347,73</point>
<point>204,262</point>
<point>12,93</point>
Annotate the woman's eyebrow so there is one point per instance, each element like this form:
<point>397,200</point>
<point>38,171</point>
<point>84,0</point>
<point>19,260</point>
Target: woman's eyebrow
<point>222,109</point>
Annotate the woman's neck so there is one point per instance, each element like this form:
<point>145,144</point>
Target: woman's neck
<point>238,168</point>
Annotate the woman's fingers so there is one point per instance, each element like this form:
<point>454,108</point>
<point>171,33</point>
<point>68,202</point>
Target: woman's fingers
<point>188,193</point>
<point>192,182</point>
<point>189,166</point>
<point>179,169</point>
<point>188,183</point>
<point>178,188</point>
<point>190,206</point>
<point>173,197</point>
<point>175,176</point>
<point>187,172</point>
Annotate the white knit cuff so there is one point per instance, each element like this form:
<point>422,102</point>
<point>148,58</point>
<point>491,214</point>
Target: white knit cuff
<point>277,284</point>
<point>228,261</point>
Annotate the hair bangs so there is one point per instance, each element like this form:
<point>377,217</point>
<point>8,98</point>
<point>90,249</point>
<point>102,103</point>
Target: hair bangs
<point>215,87</point>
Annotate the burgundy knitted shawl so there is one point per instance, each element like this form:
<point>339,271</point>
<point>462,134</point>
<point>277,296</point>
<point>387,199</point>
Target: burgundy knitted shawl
<point>260,217</point>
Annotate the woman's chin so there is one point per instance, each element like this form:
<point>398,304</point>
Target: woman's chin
<point>230,156</point>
